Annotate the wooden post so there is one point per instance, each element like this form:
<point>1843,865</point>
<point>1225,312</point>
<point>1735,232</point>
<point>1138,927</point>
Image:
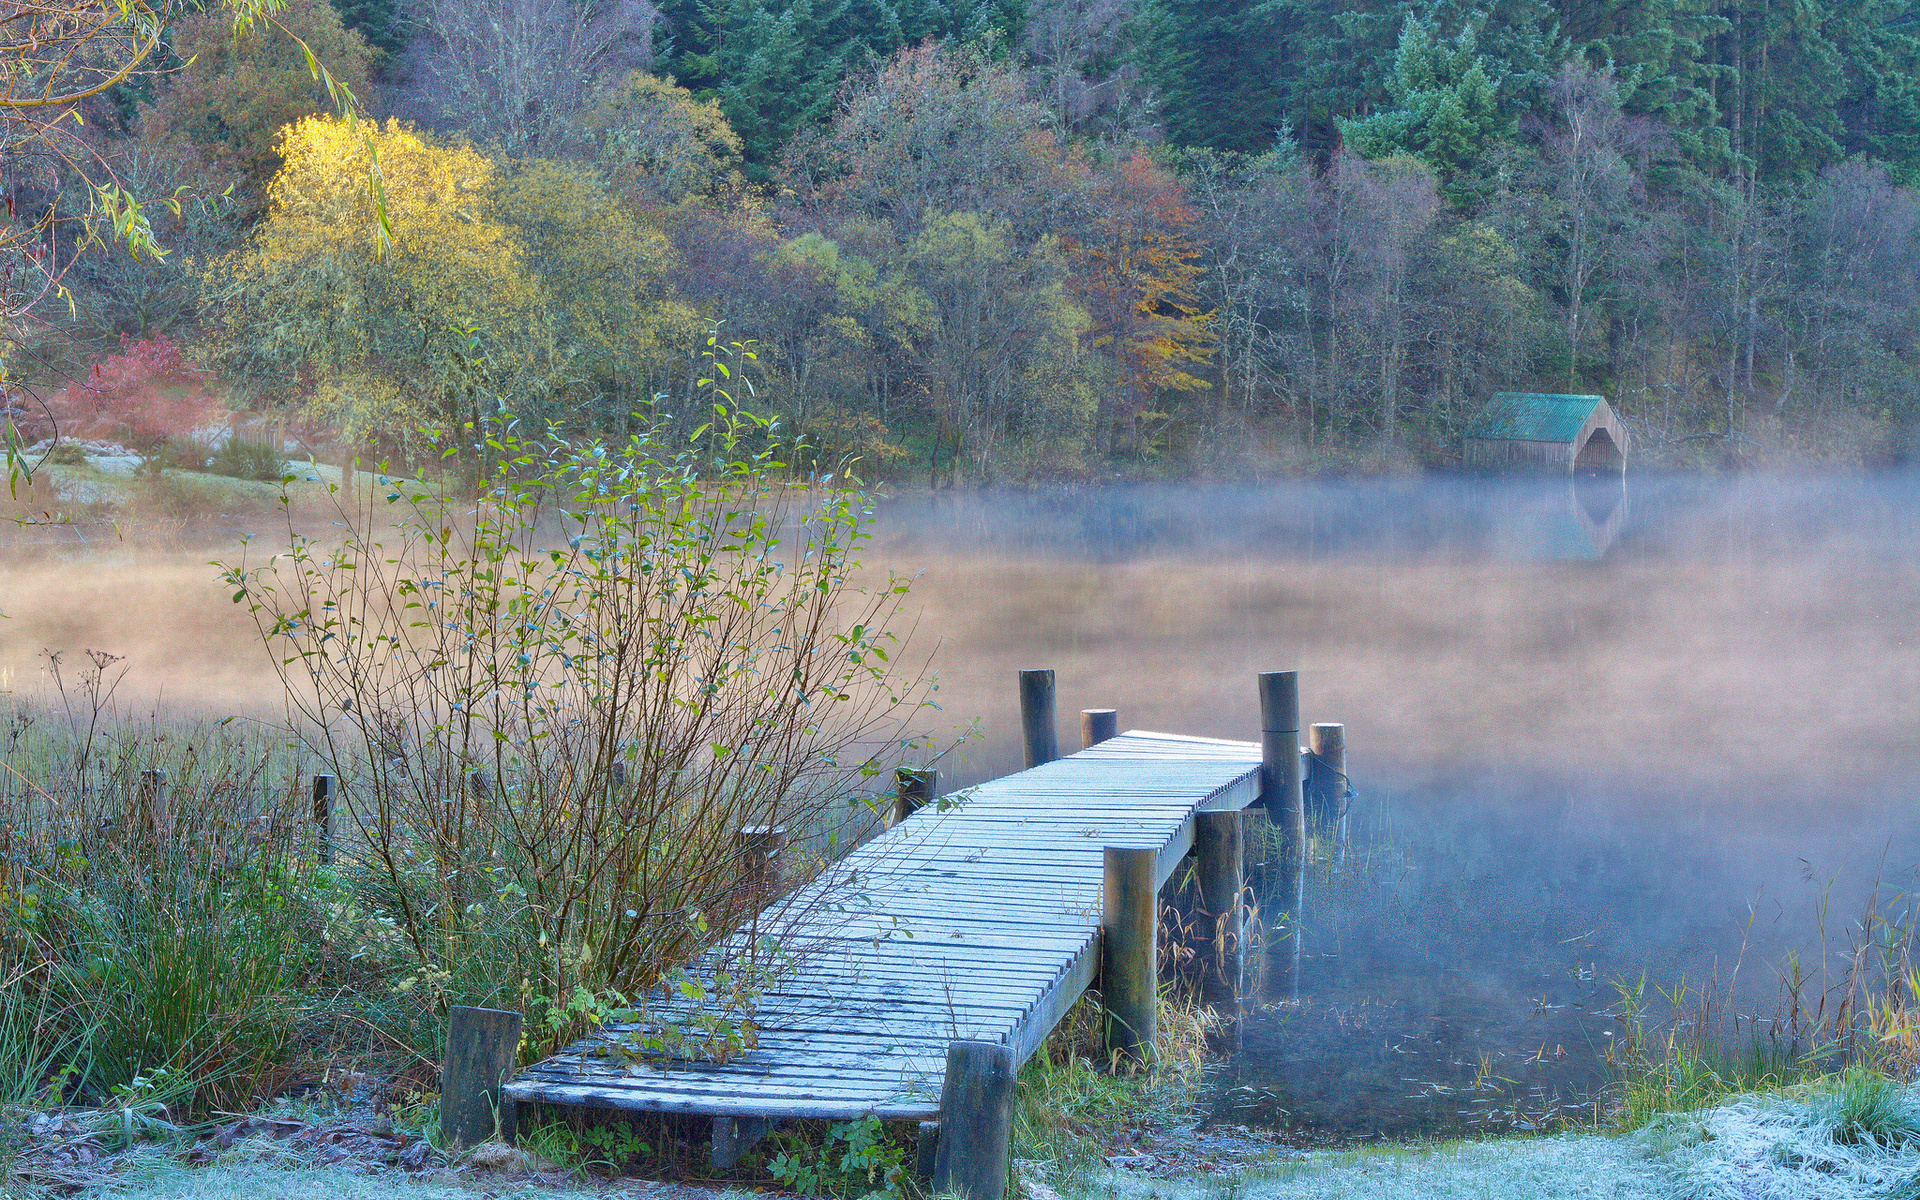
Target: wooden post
<point>1036,717</point>
<point>1281,794</point>
<point>760,849</point>
<point>152,812</point>
<point>323,786</point>
<point>1327,780</point>
<point>912,788</point>
<point>1129,955</point>
<point>734,1136</point>
<point>1217,855</point>
<point>976,1122</point>
<point>482,1046</point>
<point>926,1150</point>
<point>1097,725</point>
<point>1280,743</point>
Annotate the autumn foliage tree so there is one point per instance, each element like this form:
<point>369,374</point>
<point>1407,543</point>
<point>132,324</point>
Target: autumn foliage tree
<point>388,337</point>
<point>527,287</point>
<point>236,93</point>
<point>1138,263</point>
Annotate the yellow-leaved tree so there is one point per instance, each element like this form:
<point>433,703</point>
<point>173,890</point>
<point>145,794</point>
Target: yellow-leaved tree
<point>448,317</point>
<point>606,282</point>
<point>526,286</point>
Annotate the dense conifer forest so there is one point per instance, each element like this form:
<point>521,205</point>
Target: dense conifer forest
<point>978,240</point>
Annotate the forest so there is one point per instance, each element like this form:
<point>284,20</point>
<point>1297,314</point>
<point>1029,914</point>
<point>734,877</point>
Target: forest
<point>1026,240</point>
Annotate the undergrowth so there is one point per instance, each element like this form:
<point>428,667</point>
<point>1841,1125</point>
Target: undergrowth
<point>1072,1106</point>
<point>534,809</point>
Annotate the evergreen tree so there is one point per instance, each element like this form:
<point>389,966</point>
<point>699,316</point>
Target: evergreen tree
<point>1657,50</point>
<point>1880,111</point>
<point>1445,103</point>
<point>1216,65</point>
<point>378,22</point>
<point>774,65</point>
<point>1337,59</point>
<point>778,75</point>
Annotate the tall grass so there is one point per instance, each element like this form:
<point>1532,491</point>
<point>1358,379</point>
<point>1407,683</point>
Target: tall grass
<point>156,911</point>
<point>1693,1046</point>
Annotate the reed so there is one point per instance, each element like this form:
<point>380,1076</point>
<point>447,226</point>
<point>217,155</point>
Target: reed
<point>1855,1029</point>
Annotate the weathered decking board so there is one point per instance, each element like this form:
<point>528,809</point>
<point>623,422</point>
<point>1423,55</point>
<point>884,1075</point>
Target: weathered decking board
<point>981,922</point>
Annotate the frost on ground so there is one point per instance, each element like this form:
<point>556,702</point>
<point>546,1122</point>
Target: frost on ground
<point>161,1178</point>
<point>1805,1146</point>
<point>1586,1166</point>
<point>1800,1148</point>
<point>1817,1143</point>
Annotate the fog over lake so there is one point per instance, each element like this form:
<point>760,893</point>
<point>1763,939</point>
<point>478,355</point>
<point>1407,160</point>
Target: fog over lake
<point>1597,734</point>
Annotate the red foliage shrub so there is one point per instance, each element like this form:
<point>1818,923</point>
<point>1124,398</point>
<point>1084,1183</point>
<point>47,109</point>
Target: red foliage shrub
<point>144,397</point>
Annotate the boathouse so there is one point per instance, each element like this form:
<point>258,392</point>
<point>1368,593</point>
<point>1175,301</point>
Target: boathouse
<point>1534,431</point>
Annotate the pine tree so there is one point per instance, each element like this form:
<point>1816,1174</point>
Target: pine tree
<point>378,22</point>
<point>1216,64</point>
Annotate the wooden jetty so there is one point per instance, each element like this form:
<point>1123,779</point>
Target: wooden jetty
<point>939,955</point>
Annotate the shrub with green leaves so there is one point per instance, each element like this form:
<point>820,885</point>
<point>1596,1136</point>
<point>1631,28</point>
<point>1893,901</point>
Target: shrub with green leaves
<point>855,1159</point>
<point>555,692</point>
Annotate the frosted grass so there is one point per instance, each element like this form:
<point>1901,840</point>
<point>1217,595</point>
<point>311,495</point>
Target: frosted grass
<point>1782,1148</point>
<point>1570,1166</point>
<point>1801,1145</point>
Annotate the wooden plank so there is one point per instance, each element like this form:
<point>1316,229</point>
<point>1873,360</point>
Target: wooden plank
<point>892,1109</point>
<point>1055,1003</point>
<point>978,922</point>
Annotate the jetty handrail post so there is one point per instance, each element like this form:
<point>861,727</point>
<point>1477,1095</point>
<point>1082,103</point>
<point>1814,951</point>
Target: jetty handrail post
<point>1129,951</point>
<point>1327,742</point>
<point>1217,859</point>
<point>1097,725</point>
<point>913,788</point>
<point>1037,729</point>
<point>975,1139</point>
<point>323,791</point>
<point>1281,794</point>
<point>759,850</point>
<point>483,1044</point>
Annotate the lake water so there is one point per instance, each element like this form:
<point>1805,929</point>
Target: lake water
<point>1598,735</point>
<point>1663,732</point>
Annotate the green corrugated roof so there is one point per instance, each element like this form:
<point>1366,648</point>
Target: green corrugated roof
<point>1534,416</point>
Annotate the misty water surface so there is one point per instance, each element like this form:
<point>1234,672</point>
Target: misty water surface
<point>1599,737</point>
<point>1596,738</point>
